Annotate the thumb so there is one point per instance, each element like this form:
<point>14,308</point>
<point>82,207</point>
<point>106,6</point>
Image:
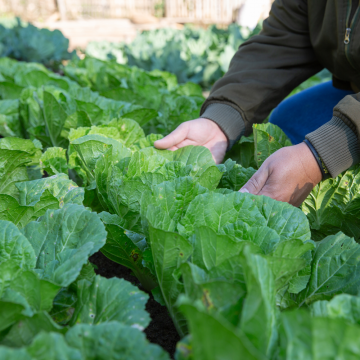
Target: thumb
<point>174,138</point>
<point>256,182</point>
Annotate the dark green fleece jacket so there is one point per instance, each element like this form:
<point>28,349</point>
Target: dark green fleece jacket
<point>299,38</point>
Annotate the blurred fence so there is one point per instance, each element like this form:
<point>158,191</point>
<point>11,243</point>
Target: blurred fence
<point>108,8</point>
<point>29,9</point>
<point>203,11</point>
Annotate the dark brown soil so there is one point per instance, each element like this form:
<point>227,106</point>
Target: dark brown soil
<point>161,330</point>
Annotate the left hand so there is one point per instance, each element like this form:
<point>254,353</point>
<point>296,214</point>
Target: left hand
<point>288,175</point>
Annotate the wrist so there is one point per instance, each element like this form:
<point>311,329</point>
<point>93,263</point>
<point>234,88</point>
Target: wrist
<point>217,130</point>
<point>228,119</point>
<point>324,171</point>
<point>310,164</point>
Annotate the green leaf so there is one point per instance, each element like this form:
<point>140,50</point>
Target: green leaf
<point>91,109</point>
<point>7,353</point>
<point>9,90</point>
<point>63,240</point>
<point>268,138</point>
<point>296,336</point>
<point>202,165</point>
<point>9,118</point>
<point>113,341</point>
<point>10,269</point>
<point>15,246</point>
<point>55,117</point>
<point>288,259</point>
<point>77,119</point>
<point>11,210</point>
<point>141,116</point>
<point>334,205</point>
<point>213,338</point>
<point>145,142</point>
<point>146,161</point>
<point>126,248</point>
<point>184,349</point>
<point>52,346</point>
<point>63,306</point>
<point>39,294</point>
<point>211,249</point>
<point>11,307</point>
<point>169,202</point>
<point>267,239</point>
<point>235,176</point>
<point>334,269</point>
<point>258,318</point>
<point>303,337</point>
<point>218,210</point>
<point>24,331</point>
<point>124,130</point>
<point>129,130</point>
<point>106,300</point>
<point>15,155</point>
<point>218,294</point>
<point>63,189</point>
<point>341,306</point>
<point>91,147</point>
<point>169,251</point>
<point>54,161</point>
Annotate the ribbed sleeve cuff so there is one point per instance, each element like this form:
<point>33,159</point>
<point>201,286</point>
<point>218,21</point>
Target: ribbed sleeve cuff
<point>228,119</point>
<point>337,145</point>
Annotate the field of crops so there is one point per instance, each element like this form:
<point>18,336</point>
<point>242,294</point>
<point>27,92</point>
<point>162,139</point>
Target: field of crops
<point>241,276</point>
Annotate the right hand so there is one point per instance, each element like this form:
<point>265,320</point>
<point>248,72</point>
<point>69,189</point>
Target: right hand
<point>200,132</point>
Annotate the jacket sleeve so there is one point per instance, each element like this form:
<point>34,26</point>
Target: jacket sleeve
<point>264,70</point>
<point>337,141</point>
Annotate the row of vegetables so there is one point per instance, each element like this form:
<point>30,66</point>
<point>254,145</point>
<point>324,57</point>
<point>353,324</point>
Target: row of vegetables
<point>241,275</point>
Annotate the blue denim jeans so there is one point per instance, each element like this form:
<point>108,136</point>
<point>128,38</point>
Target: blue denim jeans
<point>306,111</point>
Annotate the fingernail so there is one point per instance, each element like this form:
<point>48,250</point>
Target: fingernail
<point>244,191</point>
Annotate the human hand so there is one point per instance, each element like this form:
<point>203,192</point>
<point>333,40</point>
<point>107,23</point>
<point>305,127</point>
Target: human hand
<point>288,175</point>
<point>201,132</point>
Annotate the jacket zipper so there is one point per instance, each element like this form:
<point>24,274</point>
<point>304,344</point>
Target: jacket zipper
<point>351,17</point>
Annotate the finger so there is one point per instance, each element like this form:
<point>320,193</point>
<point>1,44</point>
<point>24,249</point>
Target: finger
<point>174,138</point>
<point>256,182</point>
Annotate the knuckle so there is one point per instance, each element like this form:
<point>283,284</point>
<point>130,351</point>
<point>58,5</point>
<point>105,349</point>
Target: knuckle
<point>253,182</point>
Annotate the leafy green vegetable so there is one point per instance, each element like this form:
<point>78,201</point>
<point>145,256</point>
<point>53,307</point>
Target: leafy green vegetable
<point>54,161</point>
<point>213,338</point>
<point>113,341</point>
<point>169,251</point>
<point>106,300</point>
<point>15,155</point>
<point>334,205</point>
<point>63,189</point>
<point>28,43</point>
<point>197,55</point>
<point>268,138</point>
<point>235,175</point>
<point>303,337</point>
<point>252,151</point>
<point>20,215</point>
<point>127,248</point>
<point>342,306</point>
<point>63,240</point>
<point>334,269</point>
<point>259,308</point>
